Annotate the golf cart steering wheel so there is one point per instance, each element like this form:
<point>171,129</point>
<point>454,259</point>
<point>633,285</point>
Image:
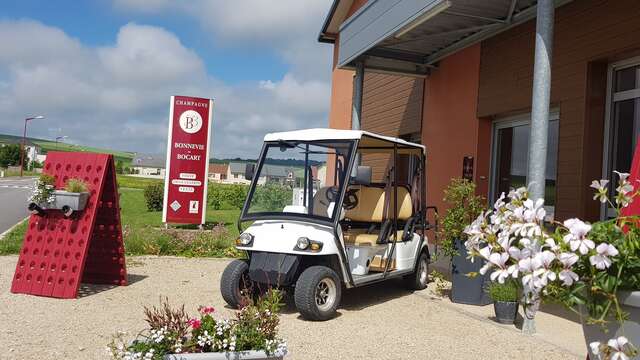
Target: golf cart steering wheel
<point>350,198</point>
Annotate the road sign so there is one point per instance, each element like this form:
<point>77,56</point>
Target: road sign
<point>185,185</point>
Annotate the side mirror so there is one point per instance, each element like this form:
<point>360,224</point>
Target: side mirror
<point>249,171</point>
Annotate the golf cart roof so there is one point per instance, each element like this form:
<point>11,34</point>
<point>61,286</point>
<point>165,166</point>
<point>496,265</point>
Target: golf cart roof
<point>368,139</point>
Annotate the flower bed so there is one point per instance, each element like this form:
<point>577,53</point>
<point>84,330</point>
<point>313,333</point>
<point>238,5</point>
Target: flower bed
<point>173,334</point>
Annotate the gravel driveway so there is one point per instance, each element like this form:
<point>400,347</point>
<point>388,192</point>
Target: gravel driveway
<point>382,321</point>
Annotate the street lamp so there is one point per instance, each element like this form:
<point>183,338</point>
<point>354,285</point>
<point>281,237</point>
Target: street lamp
<point>24,139</point>
<point>60,138</point>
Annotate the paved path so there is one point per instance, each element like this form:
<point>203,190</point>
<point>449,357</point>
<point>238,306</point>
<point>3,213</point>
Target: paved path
<point>14,193</point>
<point>382,321</point>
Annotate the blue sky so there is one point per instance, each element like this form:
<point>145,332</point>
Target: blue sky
<point>258,59</point>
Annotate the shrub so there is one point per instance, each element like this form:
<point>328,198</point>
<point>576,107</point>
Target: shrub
<point>154,196</point>
<point>76,186</point>
<point>271,197</point>
<point>227,196</point>
<point>465,207</point>
<point>503,292</point>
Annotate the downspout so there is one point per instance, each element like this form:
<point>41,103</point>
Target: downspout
<point>356,109</point>
<point>536,174</point>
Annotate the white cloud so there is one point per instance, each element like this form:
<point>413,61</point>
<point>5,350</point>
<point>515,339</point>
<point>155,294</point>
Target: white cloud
<point>117,96</point>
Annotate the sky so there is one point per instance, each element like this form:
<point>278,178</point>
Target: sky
<point>102,71</point>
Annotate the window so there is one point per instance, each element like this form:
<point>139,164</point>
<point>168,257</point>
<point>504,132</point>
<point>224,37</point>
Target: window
<point>622,126</point>
<point>510,157</point>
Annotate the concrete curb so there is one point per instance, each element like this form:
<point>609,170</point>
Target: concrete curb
<point>13,227</point>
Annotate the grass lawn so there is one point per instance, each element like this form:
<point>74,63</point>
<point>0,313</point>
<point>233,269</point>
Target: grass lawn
<point>144,234</point>
<point>135,182</point>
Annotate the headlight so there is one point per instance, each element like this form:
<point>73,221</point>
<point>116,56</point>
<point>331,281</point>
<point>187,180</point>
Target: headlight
<point>245,239</point>
<point>302,243</point>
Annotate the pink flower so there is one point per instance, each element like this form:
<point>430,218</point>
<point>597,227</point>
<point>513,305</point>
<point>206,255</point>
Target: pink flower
<point>194,323</point>
<point>205,310</point>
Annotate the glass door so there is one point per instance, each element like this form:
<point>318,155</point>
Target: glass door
<point>511,157</point>
<point>623,121</point>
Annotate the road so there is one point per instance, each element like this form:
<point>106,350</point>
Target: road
<point>14,193</point>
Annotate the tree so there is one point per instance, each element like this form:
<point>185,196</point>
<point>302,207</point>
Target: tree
<point>119,167</point>
<point>9,155</point>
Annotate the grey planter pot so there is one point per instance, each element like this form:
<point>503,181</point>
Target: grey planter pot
<point>74,201</point>
<point>466,290</point>
<point>506,311</point>
<point>631,328</point>
<point>238,355</point>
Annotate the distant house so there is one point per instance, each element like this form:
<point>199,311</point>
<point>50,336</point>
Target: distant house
<point>269,174</point>
<point>149,165</point>
<point>218,172</point>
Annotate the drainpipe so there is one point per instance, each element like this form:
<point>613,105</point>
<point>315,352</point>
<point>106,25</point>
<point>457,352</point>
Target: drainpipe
<point>356,110</point>
<point>536,174</point>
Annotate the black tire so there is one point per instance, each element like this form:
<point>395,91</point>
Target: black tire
<point>311,282</point>
<point>419,279</point>
<point>235,284</point>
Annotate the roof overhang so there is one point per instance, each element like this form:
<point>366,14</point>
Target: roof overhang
<point>370,138</point>
<point>409,37</point>
<point>331,26</point>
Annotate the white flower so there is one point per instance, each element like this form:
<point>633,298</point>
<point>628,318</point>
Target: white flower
<point>576,237</point>
<point>601,259</point>
<point>499,259</point>
<point>566,275</point>
<point>544,273</point>
<point>601,190</point>
<point>617,345</point>
<point>595,347</point>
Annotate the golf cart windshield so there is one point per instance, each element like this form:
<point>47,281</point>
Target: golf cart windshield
<point>298,179</point>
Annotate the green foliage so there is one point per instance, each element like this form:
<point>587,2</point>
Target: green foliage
<point>465,206</point>
<point>227,196</point>
<point>9,155</point>
<point>12,242</point>
<point>76,186</point>
<point>119,167</point>
<point>507,292</point>
<point>154,196</point>
<point>271,198</point>
<point>134,182</point>
<point>44,189</point>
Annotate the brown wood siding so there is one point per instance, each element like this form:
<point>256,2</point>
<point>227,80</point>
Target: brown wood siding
<point>392,106</point>
<point>587,32</point>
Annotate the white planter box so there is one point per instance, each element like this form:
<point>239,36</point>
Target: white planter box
<point>631,328</point>
<point>239,355</point>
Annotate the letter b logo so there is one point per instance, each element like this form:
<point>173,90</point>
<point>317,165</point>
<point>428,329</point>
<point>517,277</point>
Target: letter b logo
<point>190,121</point>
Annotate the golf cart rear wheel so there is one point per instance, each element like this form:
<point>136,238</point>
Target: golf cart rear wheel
<point>317,294</point>
<point>235,284</point>
<point>419,279</point>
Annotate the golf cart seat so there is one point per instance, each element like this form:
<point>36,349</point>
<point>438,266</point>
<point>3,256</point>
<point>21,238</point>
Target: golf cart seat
<point>369,210</point>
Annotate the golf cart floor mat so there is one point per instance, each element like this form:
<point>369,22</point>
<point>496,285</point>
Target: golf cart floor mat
<point>59,252</point>
<point>273,269</point>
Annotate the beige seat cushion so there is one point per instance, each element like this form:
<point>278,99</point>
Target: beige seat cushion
<point>361,238</point>
<point>371,201</point>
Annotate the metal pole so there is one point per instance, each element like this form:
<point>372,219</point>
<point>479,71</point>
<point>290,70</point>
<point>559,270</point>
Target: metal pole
<point>22,149</point>
<point>540,101</point>
<point>536,175</point>
<point>356,110</point>
<point>358,83</point>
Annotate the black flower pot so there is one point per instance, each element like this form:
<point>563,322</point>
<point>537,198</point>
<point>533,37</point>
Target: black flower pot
<point>464,289</point>
<point>506,311</point>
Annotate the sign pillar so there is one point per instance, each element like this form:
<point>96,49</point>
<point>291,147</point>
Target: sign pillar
<point>185,184</point>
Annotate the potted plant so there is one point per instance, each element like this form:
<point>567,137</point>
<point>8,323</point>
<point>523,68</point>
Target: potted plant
<point>73,198</point>
<point>465,206</point>
<point>505,301</point>
<point>174,335</point>
<point>593,269</point>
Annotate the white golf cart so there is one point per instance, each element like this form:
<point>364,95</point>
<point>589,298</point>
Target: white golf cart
<point>323,223</point>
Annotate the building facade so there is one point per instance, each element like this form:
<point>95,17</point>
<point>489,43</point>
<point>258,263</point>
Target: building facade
<point>458,77</point>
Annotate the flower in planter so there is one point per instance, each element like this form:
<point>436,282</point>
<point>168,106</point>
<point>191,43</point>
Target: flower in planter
<point>615,349</point>
<point>574,263</point>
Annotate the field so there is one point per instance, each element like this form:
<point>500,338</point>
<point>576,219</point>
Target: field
<point>144,232</point>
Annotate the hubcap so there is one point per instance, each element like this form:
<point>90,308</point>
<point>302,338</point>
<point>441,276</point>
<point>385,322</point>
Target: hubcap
<point>423,271</point>
<point>325,294</point>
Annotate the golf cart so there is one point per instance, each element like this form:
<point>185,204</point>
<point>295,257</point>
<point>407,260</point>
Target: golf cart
<point>350,214</point>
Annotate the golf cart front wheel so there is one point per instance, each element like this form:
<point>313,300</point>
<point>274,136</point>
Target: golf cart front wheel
<point>317,294</point>
<point>420,277</point>
<point>235,284</point>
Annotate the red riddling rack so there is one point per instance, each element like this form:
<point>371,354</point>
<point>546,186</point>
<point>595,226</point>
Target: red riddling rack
<point>59,253</point>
